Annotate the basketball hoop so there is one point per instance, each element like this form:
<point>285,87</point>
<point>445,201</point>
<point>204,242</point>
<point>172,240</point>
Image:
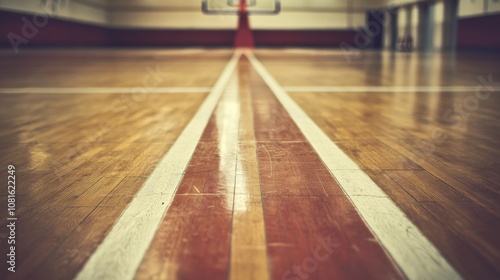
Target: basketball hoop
<point>235,7</point>
<point>53,5</point>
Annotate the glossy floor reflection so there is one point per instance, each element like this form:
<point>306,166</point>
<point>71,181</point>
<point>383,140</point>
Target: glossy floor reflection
<point>256,201</point>
<point>435,153</point>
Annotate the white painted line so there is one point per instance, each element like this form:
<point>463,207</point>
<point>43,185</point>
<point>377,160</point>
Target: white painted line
<point>100,90</point>
<point>408,247</point>
<point>123,249</point>
<point>368,89</point>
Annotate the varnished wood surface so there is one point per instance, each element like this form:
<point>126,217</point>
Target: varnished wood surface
<point>256,200</point>
<point>441,173</point>
<point>212,183</point>
<point>111,68</point>
<point>304,206</point>
<point>215,227</point>
<point>193,244</point>
<point>74,176</point>
<point>372,68</point>
<point>193,240</point>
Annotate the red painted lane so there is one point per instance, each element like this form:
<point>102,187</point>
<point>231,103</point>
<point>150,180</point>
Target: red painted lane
<point>293,168</point>
<point>312,229</point>
<point>203,174</point>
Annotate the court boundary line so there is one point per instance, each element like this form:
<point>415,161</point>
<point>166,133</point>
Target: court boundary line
<point>121,252</point>
<point>403,241</point>
<point>101,90</point>
<point>381,89</point>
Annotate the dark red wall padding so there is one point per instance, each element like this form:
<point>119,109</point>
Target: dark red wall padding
<point>303,38</point>
<point>174,38</point>
<point>63,33</point>
<point>54,33</point>
<point>479,33</point>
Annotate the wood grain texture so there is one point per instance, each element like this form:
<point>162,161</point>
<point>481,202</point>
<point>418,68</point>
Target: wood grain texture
<point>81,158</point>
<point>111,68</point>
<point>186,235</point>
<point>296,68</point>
<point>408,247</point>
<point>433,153</point>
<point>121,252</point>
<point>189,244</point>
<point>313,230</point>
<point>221,179</point>
<point>68,172</point>
<point>256,200</point>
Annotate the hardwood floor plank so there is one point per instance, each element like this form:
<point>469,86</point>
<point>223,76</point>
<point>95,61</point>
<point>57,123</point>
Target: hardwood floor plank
<point>71,253</point>
<point>36,246</point>
<point>418,184</point>
<point>256,200</point>
<point>116,68</point>
<point>471,264</point>
<point>478,193</point>
<point>71,153</point>
<point>472,223</point>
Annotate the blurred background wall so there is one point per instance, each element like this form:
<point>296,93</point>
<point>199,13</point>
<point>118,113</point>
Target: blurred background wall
<point>469,24</point>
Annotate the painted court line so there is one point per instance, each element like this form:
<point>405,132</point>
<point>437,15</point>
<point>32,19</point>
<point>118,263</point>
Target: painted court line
<point>408,247</point>
<point>101,90</point>
<point>368,89</point>
<point>121,252</point>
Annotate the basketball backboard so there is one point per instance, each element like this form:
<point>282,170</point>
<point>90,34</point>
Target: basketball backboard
<point>219,7</point>
<point>236,3</point>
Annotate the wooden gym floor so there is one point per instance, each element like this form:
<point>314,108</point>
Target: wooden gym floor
<point>276,164</point>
